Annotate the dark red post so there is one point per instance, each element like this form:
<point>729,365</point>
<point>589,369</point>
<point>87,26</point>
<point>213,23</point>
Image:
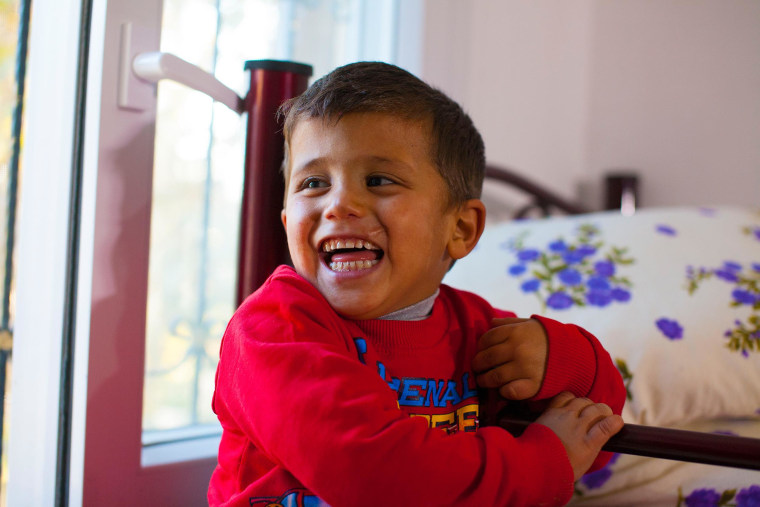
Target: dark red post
<point>262,239</point>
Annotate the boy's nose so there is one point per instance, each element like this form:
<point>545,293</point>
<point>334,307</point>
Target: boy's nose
<point>344,202</point>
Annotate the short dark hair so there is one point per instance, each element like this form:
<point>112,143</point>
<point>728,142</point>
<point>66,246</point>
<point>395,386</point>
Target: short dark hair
<point>457,148</point>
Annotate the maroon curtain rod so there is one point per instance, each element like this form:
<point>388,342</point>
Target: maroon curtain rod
<point>667,443</point>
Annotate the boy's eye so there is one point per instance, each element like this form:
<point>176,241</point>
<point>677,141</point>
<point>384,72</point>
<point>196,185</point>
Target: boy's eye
<point>376,181</point>
<point>313,183</point>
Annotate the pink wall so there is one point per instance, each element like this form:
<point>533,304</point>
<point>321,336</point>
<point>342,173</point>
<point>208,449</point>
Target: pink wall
<point>562,91</point>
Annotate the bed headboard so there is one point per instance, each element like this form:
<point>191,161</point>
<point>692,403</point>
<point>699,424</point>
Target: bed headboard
<point>542,199</point>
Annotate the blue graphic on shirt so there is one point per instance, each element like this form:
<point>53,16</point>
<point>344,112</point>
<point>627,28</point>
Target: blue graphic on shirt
<point>460,396</point>
<point>361,348</point>
<point>297,498</point>
<point>429,392</point>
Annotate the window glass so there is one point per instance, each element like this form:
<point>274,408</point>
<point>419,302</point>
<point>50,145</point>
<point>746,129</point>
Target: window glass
<point>198,173</point>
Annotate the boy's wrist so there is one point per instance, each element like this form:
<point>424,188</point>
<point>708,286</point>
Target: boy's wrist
<point>553,460</point>
<point>571,362</point>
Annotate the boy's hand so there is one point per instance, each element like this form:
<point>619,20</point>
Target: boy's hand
<point>583,427</point>
<point>512,357</point>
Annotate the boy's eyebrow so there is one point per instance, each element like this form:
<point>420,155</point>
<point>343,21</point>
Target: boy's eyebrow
<point>309,164</point>
<point>318,162</point>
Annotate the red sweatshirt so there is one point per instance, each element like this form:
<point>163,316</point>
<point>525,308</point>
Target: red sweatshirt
<point>315,409</point>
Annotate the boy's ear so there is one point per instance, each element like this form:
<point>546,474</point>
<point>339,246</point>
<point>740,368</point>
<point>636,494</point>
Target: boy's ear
<point>284,219</point>
<point>470,221</point>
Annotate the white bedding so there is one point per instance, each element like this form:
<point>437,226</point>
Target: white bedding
<point>674,295</point>
<point>640,481</point>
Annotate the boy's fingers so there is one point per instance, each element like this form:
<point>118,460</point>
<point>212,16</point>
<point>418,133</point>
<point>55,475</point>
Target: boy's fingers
<point>604,429</point>
<point>492,357</point>
<point>498,333</point>
<point>596,410</point>
<point>562,399</point>
<point>493,336</point>
<point>520,389</point>
<point>497,377</point>
<point>593,413</point>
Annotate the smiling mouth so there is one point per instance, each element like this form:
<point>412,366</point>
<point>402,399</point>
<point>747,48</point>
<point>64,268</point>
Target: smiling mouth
<point>350,254</point>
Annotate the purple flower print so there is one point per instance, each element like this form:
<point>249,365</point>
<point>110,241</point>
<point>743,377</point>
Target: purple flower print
<point>559,301</point>
<point>565,273</point>
<point>557,246</point>
<point>732,266</point>
<point>528,255</point>
<point>598,283</point>
<point>570,277</point>
<point>604,268</point>
<point>756,233</point>
<point>693,273</point>
<point>531,285</point>
<point>744,291</point>
<point>586,250</point>
<point>670,328</point>
<point>572,257</point>
<point>703,498</point>
<point>727,275</point>
<point>749,497</point>
<point>600,298</point>
<point>665,230</point>
<point>598,478</point>
<point>744,297</point>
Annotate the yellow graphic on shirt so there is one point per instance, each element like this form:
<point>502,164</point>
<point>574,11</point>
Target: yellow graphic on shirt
<point>463,419</point>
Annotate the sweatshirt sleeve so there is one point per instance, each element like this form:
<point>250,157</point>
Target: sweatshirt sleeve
<point>287,381</point>
<point>578,363</point>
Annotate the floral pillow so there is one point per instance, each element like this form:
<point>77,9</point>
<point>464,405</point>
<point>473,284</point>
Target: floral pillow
<point>672,293</point>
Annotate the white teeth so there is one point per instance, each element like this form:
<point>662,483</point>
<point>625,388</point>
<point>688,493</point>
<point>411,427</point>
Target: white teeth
<point>352,265</point>
<point>337,244</point>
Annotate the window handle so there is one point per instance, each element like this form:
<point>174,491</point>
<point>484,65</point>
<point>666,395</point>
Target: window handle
<point>155,65</point>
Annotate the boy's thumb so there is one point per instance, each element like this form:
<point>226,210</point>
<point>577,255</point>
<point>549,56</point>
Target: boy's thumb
<point>604,429</point>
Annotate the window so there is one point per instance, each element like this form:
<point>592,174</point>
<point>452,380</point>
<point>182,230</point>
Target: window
<point>91,226</point>
<point>199,152</point>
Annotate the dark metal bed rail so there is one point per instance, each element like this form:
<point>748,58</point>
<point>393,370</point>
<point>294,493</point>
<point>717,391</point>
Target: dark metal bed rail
<point>543,199</point>
<point>667,443</point>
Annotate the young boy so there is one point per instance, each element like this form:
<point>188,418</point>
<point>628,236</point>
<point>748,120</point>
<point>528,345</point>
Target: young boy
<point>352,379</point>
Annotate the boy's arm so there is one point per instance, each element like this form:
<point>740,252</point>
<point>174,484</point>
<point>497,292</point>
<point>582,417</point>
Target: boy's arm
<point>578,363</point>
<point>292,388</point>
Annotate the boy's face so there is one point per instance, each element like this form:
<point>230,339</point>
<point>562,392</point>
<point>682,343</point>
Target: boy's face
<point>366,213</point>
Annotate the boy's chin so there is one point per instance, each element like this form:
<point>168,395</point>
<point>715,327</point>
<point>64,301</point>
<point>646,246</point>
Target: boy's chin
<point>356,307</point>
<point>356,312</point>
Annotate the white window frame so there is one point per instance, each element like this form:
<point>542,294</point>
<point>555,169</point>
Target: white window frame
<point>105,464</point>
<point>41,251</point>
